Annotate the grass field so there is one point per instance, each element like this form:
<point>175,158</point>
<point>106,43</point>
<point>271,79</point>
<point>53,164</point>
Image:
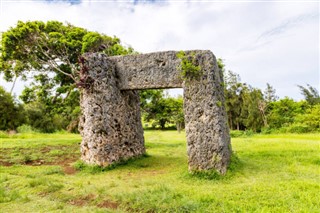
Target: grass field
<point>274,173</point>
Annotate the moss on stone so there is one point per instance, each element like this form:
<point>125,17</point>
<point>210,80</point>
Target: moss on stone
<point>189,66</point>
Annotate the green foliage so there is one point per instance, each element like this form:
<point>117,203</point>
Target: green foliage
<point>233,98</point>
<point>251,110</point>
<point>308,121</point>
<point>161,110</point>
<point>311,118</point>
<point>51,47</point>
<point>50,52</point>
<point>250,113</point>
<point>283,112</point>
<point>297,128</point>
<point>236,133</point>
<point>190,68</point>
<point>244,104</point>
<point>25,129</point>
<point>11,113</point>
<point>310,93</point>
<point>270,94</point>
<point>3,134</point>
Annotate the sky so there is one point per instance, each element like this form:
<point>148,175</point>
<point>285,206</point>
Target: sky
<point>275,42</point>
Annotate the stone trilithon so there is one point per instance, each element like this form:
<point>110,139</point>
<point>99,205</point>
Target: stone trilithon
<point>111,126</point>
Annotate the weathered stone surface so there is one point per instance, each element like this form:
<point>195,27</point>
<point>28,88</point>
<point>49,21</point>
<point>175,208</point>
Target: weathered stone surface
<point>205,118</point>
<point>148,71</point>
<point>111,126</point>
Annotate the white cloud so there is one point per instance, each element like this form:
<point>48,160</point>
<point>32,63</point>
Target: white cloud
<point>271,42</point>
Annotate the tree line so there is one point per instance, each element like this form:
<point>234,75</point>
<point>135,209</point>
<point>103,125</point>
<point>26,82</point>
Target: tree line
<point>48,53</point>
<point>252,109</point>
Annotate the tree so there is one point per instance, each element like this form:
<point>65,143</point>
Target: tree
<point>251,115</point>
<point>270,94</point>
<point>162,110</point>
<point>311,118</point>
<point>156,108</point>
<point>178,113</point>
<point>51,47</point>
<point>11,113</point>
<point>310,94</point>
<point>283,112</point>
<point>233,88</point>
<point>49,52</point>
<point>245,105</point>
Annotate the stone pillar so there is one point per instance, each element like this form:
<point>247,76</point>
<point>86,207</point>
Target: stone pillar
<point>205,117</point>
<point>110,125</point>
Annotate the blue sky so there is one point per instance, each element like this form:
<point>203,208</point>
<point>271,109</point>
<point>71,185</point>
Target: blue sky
<point>273,42</point>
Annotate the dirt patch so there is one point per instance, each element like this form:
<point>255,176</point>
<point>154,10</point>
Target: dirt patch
<point>5,163</point>
<point>82,201</point>
<point>35,162</point>
<point>69,170</point>
<point>43,194</point>
<point>69,155</point>
<point>46,149</point>
<point>78,202</point>
<point>108,204</point>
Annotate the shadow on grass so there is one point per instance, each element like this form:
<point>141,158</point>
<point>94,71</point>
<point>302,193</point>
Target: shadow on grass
<point>154,162</point>
<point>236,167</point>
<point>163,145</point>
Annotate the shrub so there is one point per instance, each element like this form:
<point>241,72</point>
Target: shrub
<point>25,129</point>
<point>298,128</point>
<point>267,130</point>
<point>3,134</point>
<point>240,133</point>
<point>236,133</point>
<point>311,119</point>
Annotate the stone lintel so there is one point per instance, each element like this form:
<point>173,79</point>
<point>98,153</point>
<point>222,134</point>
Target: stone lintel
<point>149,71</point>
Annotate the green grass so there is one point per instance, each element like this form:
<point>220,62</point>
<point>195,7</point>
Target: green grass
<point>271,173</point>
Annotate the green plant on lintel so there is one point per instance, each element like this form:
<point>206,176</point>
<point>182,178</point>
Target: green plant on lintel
<point>189,66</point>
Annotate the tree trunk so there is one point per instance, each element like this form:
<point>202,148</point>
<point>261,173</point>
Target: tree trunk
<point>14,83</point>
<point>179,127</point>
<point>162,123</point>
<point>230,122</point>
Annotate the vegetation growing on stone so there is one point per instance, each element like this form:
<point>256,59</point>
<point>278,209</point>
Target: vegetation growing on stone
<point>190,69</point>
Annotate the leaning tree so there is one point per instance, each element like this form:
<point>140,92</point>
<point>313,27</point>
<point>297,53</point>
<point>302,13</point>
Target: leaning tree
<point>48,54</point>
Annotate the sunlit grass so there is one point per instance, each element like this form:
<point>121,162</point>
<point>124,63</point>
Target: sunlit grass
<point>275,173</point>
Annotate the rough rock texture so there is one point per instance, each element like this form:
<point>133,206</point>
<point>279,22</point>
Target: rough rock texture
<point>148,71</point>
<point>111,126</point>
<point>205,118</point>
